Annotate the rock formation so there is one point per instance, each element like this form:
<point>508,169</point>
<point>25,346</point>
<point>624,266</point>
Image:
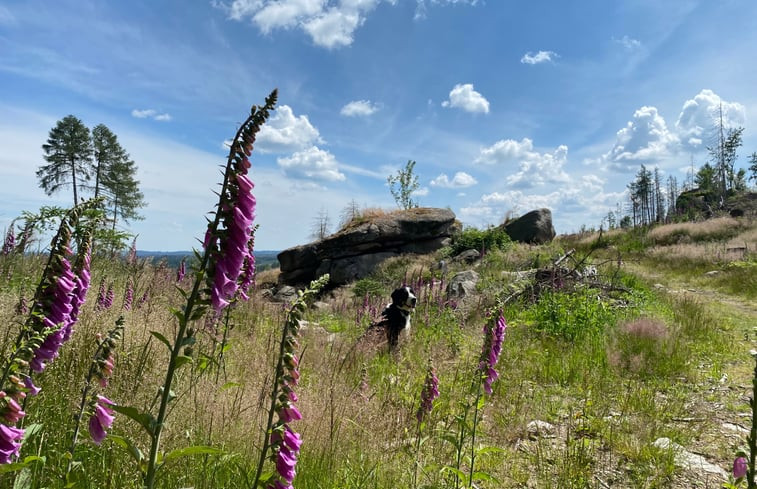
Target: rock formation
<point>535,227</point>
<point>356,250</point>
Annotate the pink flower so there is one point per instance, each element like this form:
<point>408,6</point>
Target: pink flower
<point>101,420</point>
<point>10,442</point>
<point>740,467</point>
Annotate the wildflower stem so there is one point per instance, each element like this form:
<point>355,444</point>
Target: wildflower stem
<point>291,323</point>
<point>473,435</point>
<point>93,367</point>
<point>752,438</point>
<point>181,333</point>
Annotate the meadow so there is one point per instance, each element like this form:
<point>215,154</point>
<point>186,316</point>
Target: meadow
<point>588,380</point>
<point>151,376</point>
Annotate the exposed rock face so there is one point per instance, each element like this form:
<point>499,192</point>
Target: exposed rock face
<point>535,227</point>
<point>354,252</point>
<point>462,285</point>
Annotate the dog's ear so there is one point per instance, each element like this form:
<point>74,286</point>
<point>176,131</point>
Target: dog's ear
<point>397,296</point>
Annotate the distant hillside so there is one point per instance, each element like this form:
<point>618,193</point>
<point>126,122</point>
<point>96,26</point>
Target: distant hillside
<point>264,259</point>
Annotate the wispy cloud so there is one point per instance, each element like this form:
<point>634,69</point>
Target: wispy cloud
<point>359,108</point>
<point>150,114</point>
<point>464,97</point>
<point>540,57</point>
<point>628,42</point>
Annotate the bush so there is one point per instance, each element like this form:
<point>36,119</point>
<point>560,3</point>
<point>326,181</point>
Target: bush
<point>477,239</point>
<point>572,315</point>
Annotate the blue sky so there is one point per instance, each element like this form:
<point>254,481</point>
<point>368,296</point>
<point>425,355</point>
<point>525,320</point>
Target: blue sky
<point>505,106</point>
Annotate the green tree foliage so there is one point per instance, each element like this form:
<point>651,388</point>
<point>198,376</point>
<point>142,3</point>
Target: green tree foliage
<point>77,157</point>
<point>753,167</point>
<point>642,194</point>
<point>707,182</point>
<point>402,185</point>
<point>68,152</point>
<point>121,188</point>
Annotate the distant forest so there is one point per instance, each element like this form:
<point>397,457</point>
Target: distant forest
<point>264,259</point>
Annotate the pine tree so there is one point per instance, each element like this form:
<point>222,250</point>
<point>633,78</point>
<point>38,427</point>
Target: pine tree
<point>107,152</point>
<point>121,188</point>
<point>68,152</point>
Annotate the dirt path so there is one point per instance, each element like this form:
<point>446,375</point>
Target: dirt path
<point>740,306</point>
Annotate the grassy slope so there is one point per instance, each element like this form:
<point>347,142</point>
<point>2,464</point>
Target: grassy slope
<point>611,374</point>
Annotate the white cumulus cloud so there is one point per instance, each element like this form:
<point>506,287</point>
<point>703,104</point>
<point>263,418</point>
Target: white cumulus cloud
<point>312,164</point>
<point>540,57</point>
<point>700,116</point>
<point>534,168</point>
<point>464,97</point>
<point>329,23</point>
<point>460,180</point>
<point>645,139</point>
<point>285,132</point>
<point>359,108</point>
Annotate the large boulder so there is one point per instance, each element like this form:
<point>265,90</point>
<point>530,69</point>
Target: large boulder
<point>535,227</point>
<point>355,251</point>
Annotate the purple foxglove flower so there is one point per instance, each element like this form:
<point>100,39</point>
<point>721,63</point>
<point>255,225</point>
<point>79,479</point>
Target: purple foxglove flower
<point>12,412</point>
<point>101,420</point>
<point>128,296</point>
<point>494,335</point>
<point>740,467</point>
<point>131,258</point>
<point>182,271</point>
<point>286,460</point>
<point>109,296</point>
<point>33,389</point>
<point>10,242</point>
<point>10,442</point>
<point>289,413</point>
<point>429,393</point>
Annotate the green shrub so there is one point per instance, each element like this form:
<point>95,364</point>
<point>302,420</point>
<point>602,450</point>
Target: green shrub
<point>477,239</point>
<point>369,287</point>
<point>572,315</point>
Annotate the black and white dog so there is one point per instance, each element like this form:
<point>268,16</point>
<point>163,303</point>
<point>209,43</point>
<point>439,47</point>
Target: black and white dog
<point>395,319</point>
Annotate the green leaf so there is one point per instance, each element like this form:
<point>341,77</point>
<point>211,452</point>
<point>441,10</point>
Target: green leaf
<point>230,385</point>
<point>188,341</point>
<point>12,467</point>
<point>23,479</point>
<point>451,439</point>
<point>487,450</point>
<point>147,420</point>
<point>191,451</point>
<point>32,430</point>
<point>182,360</point>
<point>130,447</point>
<point>162,339</point>
<point>484,476</point>
<point>454,471</point>
<point>179,315</point>
<point>481,402</point>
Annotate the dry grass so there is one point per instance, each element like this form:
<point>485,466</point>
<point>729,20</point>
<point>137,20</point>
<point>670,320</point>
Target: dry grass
<point>739,247</point>
<point>709,230</point>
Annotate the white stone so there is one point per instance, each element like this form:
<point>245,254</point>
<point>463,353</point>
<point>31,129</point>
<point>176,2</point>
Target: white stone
<point>688,460</point>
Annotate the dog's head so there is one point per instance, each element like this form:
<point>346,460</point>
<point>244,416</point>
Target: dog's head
<point>404,298</point>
